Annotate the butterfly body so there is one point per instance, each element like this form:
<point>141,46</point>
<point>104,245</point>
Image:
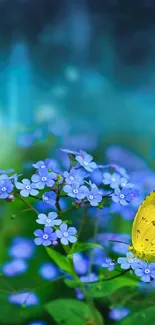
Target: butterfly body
<point>143,230</point>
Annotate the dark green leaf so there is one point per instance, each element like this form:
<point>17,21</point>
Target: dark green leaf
<point>144,317</point>
<point>80,247</point>
<point>62,261</point>
<point>106,288</point>
<point>71,311</point>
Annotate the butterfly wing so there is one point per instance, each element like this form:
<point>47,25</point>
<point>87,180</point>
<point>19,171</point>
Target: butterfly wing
<point>143,230</point>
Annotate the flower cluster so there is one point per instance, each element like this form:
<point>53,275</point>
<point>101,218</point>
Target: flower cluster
<point>142,269</point>
<point>75,183</point>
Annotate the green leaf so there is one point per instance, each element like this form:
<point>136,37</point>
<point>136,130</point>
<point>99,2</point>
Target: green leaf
<point>59,259</point>
<point>106,288</point>
<point>67,311</point>
<point>74,284</point>
<point>80,247</point>
<point>144,317</point>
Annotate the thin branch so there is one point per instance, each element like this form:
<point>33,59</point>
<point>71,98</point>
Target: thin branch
<point>27,203</point>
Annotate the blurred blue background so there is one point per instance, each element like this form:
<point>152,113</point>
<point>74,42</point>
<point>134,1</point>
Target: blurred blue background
<point>77,68</point>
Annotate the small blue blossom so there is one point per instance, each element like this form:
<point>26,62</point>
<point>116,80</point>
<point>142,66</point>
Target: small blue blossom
<point>128,262</point>
<point>49,221</point>
<point>66,234</point>
<point>6,186</point>
<point>14,267</point>
<point>92,277</point>
<point>122,171</point>
<point>127,213</point>
<point>118,313</point>
<point>73,177</point>
<point>14,177</point>
<point>122,196</point>
<point>8,171</point>
<point>49,198</point>
<point>113,180</point>
<point>80,263</point>
<point>94,196</point>
<point>145,271</point>
<point>44,178</point>
<point>26,298</point>
<point>47,164</point>
<point>76,191</point>
<point>21,247</point>
<point>41,206</point>
<point>45,237</point>
<point>109,264</point>
<point>85,160</point>
<point>49,271</point>
<point>98,256</point>
<point>79,294</point>
<point>27,188</point>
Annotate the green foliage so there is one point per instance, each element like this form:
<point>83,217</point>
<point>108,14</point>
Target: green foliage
<point>62,261</point>
<point>74,284</point>
<point>80,247</point>
<point>144,317</point>
<point>71,311</point>
<point>12,314</point>
<point>106,288</point>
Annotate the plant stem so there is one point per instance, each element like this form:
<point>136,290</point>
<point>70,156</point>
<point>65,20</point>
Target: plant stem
<point>27,203</point>
<point>88,298</point>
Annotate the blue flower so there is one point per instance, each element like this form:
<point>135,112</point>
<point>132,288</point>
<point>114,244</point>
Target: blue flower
<point>122,196</point>
<point>80,263</point>
<point>145,271</point>
<point>85,160</point>
<point>50,220</point>
<point>14,267</point>
<point>26,298</point>
<point>73,177</point>
<point>41,206</point>
<point>27,188</point>
<point>128,262</point>
<point>127,213</point>
<point>45,237</point>
<point>98,256</point>
<point>79,294</point>
<point>21,248</point>
<point>8,171</point>
<point>94,196</point>
<point>76,191</point>
<point>66,234</point>
<point>44,178</point>
<point>47,164</point>
<point>113,180</point>
<point>118,313</point>
<point>6,186</point>
<point>49,198</point>
<point>49,271</point>
<point>109,264</point>
<point>14,177</point>
<point>92,277</point>
<point>124,183</point>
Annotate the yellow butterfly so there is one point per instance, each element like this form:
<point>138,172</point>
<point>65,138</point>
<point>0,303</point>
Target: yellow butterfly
<point>143,230</point>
